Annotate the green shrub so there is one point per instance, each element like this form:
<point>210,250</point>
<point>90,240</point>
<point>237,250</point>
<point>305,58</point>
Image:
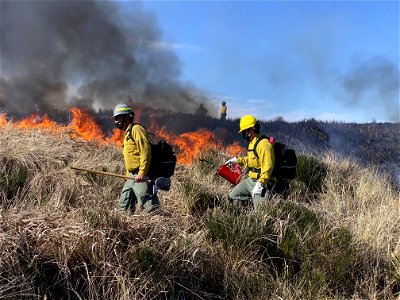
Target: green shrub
<point>299,225</point>
<point>332,260</point>
<point>259,231</point>
<point>311,172</point>
<point>240,231</point>
<point>302,217</point>
<point>277,236</point>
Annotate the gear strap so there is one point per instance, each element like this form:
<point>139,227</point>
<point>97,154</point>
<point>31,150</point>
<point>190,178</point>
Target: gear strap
<point>256,144</point>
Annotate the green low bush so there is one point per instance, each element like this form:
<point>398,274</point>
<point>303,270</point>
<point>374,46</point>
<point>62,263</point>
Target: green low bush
<point>311,173</point>
<point>331,261</point>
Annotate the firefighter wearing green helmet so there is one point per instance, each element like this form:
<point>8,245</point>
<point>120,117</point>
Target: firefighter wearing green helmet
<point>137,193</point>
<point>259,183</point>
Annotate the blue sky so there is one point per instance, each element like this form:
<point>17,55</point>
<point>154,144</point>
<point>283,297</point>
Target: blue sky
<point>327,60</point>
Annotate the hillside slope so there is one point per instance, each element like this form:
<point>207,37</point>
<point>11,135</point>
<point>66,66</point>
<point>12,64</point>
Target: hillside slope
<point>336,234</point>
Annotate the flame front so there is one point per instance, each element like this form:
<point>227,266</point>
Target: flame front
<point>36,121</point>
<point>85,126</point>
<point>189,145</point>
<point>192,143</point>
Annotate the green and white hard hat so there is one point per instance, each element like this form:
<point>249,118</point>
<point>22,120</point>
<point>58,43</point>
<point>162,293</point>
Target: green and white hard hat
<point>122,109</point>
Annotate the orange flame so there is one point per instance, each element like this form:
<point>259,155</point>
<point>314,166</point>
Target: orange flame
<point>117,137</point>
<point>192,143</point>
<point>234,149</point>
<point>189,144</point>
<point>36,121</point>
<point>3,120</point>
<point>85,126</point>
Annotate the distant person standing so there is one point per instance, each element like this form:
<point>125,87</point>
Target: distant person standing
<point>224,108</point>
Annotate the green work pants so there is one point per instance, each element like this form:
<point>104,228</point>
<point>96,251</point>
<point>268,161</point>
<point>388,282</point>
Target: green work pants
<point>241,193</point>
<point>137,195</point>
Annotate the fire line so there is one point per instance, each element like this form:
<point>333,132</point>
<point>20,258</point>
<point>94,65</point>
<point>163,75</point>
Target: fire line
<point>189,145</point>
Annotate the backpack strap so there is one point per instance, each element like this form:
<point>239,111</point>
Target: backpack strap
<point>256,144</point>
<point>130,128</point>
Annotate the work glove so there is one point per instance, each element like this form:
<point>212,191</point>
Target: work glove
<point>257,190</point>
<point>233,160</point>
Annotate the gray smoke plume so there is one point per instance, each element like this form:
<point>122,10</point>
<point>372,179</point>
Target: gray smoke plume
<point>374,82</point>
<point>60,53</point>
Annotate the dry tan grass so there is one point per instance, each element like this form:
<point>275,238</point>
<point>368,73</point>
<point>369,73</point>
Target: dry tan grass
<point>61,233</point>
<point>364,201</point>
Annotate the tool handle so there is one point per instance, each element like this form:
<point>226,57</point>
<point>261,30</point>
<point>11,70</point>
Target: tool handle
<point>105,173</point>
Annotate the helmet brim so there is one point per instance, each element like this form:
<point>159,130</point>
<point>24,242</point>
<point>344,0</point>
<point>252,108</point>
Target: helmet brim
<point>122,113</point>
<point>243,129</point>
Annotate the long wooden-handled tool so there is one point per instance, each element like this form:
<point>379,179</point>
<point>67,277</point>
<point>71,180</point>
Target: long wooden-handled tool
<point>162,183</point>
<point>103,173</point>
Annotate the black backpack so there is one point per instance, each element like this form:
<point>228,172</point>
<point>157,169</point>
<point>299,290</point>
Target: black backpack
<point>163,158</point>
<point>285,160</point>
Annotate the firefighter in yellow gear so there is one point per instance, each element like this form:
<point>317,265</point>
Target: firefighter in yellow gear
<point>258,184</point>
<point>137,192</point>
<point>224,108</point>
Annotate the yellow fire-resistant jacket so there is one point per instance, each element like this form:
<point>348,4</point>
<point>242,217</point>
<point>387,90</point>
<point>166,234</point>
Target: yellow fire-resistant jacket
<point>223,109</point>
<point>137,149</point>
<point>260,168</point>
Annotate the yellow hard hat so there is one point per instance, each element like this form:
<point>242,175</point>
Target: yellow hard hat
<point>247,122</point>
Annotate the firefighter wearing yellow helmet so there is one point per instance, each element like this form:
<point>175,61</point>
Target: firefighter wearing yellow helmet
<point>259,161</point>
<point>136,193</point>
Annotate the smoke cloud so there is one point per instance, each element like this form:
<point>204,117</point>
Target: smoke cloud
<point>55,54</point>
<point>374,82</point>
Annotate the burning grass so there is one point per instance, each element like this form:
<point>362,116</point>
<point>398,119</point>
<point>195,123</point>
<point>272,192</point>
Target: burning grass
<point>83,125</point>
<point>61,235</point>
